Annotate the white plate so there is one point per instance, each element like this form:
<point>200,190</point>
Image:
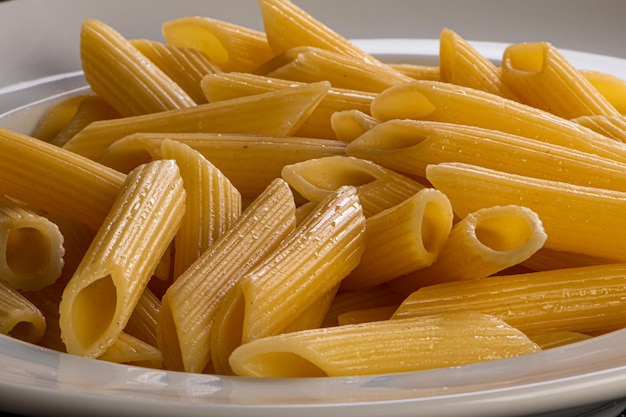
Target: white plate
<point>566,381</point>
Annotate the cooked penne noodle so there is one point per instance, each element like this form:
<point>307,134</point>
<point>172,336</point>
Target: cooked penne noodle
<point>483,243</point>
<point>378,188</point>
<point>402,239</point>
<point>91,109</point>
<point>231,47</point>
<point>126,79</point>
<point>219,87</point>
<point>212,205</point>
<point>567,211</point>
<point>311,261</point>
<point>611,126</point>
<point>364,299</point>
<point>19,318</point>
<point>445,102</point>
<point>47,302</point>
<point>546,259</point>
<point>190,304</point>
<point>460,63</point>
<point>57,117</point>
<point>132,351</point>
<point>103,292</point>
<point>383,347</point>
<point>350,124</point>
<point>556,339</point>
<point>367,315</point>
<point>543,78</point>
<point>611,87</point>
<point>314,315</point>
<point>31,247</point>
<point>585,299</point>
<point>278,113</point>
<point>418,72</point>
<point>55,180</point>
<point>143,320</point>
<point>311,64</point>
<point>250,162</point>
<point>185,66</point>
<point>408,146</point>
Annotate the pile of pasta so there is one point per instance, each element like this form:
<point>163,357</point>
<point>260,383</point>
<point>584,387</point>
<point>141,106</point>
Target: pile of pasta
<point>283,204</point>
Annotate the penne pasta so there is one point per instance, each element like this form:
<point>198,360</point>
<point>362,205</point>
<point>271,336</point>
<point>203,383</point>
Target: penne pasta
<point>142,322</point>
<point>460,63</point>
<point>250,162</point>
<point>31,247</point>
<point>557,339</point>
<point>54,120</point>
<point>382,347</point>
<point>546,259</point>
<point>481,244</point>
<point>409,146</point>
<point>543,78</point>
<point>118,72</point>
<point>402,239</point>
<point>610,126</point>
<point>567,211</point>
<point>585,299</point>
<point>19,318</point>
<point>190,304</point>
<point>185,66</point>
<point>132,351</point>
<point>367,316</point>
<point>364,299</point>
<point>444,102</point>
<point>418,72</point>
<point>310,262</point>
<point>378,188</point>
<point>231,47</point>
<point>611,87</point>
<point>278,113</point>
<point>103,292</point>
<point>55,180</point>
<point>311,64</point>
<point>212,205</point>
<point>351,124</point>
<point>219,87</point>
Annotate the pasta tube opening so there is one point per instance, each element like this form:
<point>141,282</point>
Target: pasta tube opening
<point>505,233</point>
<point>27,251</point>
<point>197,37</point>
<point>527,57</point>
<point>405,103</point>
<point>25,330</point>
<point>93,311</point>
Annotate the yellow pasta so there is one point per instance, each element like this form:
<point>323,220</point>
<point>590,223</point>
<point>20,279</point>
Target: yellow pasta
<point>460,63</point>
<point>545,79</point>
<point>118,72</point>
<point>611,126</point>
<point>311,64</point>
<point>19,318</point>
<point>350,124</point>
<point>142,322</point>
<point>483,243</point>
<point>610,86</point>
<point>213,204</point>
<point>250,162</point>
<point>378,188</point>
<point>584,299</point>
<point>418,72</point>
<point>51,123</point>
<point>219,87</point>
<point>591,212</point>
<point>231,47</point>
<point>101,295</point>
<point>556,339</point>
<point>382,347</point>
<point>186,67</point>
<point>367,315</point>
<point>132,351</point>
<point>402,239</point>
<point>444,102</point>
<point>190,304</point>
<point>278,113</point>
<point>408,146</point>
<point>31,247</point>
<point>546,259</point>
<point>56,180</point>
<point>366,298</point>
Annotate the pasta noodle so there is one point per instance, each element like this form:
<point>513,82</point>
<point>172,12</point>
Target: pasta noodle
<point>483,243</point>
<point>19,318</point>
<point>31,247</point>
<point>101,295</point>
<point>381,347</point>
